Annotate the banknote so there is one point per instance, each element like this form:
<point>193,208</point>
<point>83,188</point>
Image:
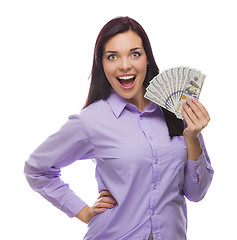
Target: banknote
<point>171,88</point>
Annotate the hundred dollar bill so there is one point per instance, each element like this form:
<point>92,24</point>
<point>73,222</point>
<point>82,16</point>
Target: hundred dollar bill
<point>152,97</point>
<point>171,88</point>
<point>158,88</point>
<point>191,88</point>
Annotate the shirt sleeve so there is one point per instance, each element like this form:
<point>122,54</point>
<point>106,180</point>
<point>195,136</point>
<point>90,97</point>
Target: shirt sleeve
<point>42,169</point>
<point>198,175</point>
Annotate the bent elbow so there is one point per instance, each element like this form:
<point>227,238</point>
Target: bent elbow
<point>195,197</point>
<point>38,179</point>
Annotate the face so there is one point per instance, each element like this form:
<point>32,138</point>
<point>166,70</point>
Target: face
<point>125,65</point>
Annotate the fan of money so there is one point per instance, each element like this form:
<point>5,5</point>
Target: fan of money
<point>172,87</point>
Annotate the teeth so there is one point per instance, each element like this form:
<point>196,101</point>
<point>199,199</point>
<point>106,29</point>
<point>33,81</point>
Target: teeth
<point>126,77</point>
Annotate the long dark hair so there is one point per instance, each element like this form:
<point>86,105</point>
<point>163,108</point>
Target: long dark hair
<point>100,87</point>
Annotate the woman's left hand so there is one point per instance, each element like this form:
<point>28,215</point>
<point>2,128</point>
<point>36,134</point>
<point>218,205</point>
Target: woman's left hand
<point>196,117</point>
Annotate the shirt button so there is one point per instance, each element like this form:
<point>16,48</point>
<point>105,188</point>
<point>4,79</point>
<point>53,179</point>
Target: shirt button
<point>154,187</point>
<point>150,137</point>
<point>156,161</point>
<point>153,212</point>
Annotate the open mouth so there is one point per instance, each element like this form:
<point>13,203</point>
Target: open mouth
<point>127,81</point>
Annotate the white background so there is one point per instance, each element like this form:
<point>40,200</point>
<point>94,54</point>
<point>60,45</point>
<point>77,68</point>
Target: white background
<point>46,50</point>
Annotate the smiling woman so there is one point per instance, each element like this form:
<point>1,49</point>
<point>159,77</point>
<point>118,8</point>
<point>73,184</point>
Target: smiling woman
<point>125,66</point>
<point>100,87</point>
<point>126,80</point>
<point>146,161</point>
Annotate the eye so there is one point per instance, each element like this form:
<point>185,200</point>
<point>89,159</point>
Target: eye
<point>135,54</point>
<point>112,57</point>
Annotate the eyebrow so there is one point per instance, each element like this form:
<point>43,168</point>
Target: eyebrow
<point>132,49</point>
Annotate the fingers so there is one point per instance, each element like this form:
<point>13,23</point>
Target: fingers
<point>104,201</point>
<point>189,114</point>
<point>187,118</point>
<point>201,108</point>
<point>196,112</point>
<point>104,205</point>
<point>105,193</point>
<point>196,117</point>
<point>107,197</point>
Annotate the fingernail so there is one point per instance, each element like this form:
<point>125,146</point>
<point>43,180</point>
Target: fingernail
<point>184,104</point>
<point>188,100</point>
<point>194,99</point>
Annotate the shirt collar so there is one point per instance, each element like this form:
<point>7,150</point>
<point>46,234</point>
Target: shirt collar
<point>118,103</point>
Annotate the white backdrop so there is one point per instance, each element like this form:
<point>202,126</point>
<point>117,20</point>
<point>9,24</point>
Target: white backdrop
<point>46,50</point>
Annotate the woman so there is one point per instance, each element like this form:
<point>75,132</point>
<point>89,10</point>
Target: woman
<point>146,159</point>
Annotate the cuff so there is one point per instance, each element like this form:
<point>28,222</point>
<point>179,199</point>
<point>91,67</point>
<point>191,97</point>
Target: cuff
<point>197,168</point>
<point>73,206</point>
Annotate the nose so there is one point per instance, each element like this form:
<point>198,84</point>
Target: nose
<point>125,65</point>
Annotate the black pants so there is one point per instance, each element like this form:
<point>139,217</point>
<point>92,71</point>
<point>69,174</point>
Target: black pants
<point>150,236</point>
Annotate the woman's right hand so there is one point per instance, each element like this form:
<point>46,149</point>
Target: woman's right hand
<point>103,202</point>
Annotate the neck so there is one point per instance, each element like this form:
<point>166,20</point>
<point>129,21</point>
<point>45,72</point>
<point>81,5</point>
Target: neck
<point>140,101</point>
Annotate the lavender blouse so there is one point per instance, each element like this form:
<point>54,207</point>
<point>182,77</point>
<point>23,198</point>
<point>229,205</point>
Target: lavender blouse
<point>147,173</point>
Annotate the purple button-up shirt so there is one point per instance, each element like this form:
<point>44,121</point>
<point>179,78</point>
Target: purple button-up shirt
<point>146,172</point>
